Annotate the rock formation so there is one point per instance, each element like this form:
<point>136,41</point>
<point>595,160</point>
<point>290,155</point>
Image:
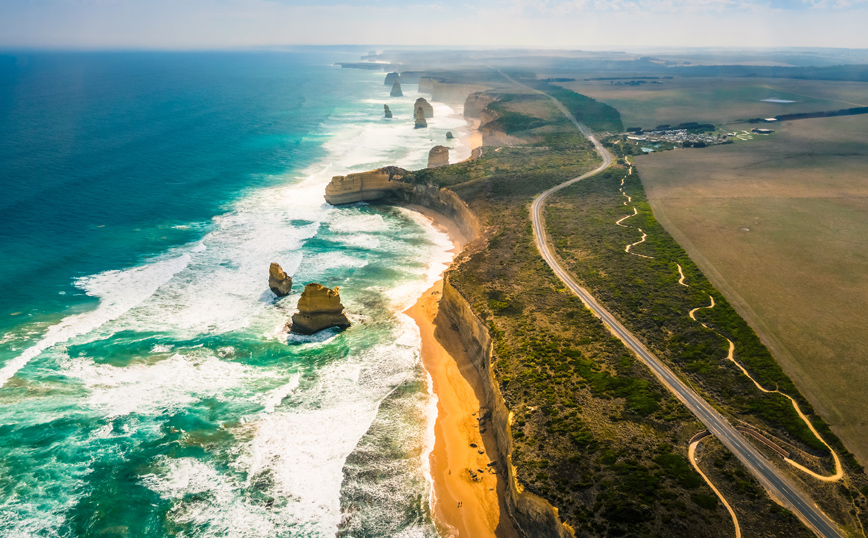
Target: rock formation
<point>364,186</point>
<point>449,135</point>
<point>419,114</point>
<point>426,107</point>
<point>388,113</point>
<point>438,156</point>
<point>319,308</point>
<point>476,103</point>
<point>279,282</point>
<point>396,90</point>
<point>391,78</point>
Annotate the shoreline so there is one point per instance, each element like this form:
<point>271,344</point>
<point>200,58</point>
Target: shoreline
<point>454,462</point>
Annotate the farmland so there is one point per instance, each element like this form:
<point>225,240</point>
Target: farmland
<point>777,225</point>
<point>717,100</point>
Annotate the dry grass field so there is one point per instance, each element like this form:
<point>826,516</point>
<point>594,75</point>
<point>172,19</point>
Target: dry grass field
<point>718,100</point>
<point>780,226</point>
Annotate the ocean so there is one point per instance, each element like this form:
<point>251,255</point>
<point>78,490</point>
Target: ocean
<point>149,387</point>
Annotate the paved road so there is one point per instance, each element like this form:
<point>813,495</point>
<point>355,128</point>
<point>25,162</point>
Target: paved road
<point>773,480</point>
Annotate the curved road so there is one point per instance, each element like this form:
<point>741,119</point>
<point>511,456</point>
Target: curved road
<point>778,486</point>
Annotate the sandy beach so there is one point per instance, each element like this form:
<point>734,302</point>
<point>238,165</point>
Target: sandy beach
<point>467,491</point>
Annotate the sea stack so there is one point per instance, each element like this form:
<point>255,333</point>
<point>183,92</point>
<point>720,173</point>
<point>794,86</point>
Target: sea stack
<point>425,106</point>
<point>449,135</point>
<point>279,282</point>
<point>419,115</point>
<point>388,113</point>
<point>391,78</point>
<point>438,156</point>
<point>396,90</point>
<point>319,308</point>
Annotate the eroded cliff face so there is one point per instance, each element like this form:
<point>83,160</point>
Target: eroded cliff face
<point>493,136</point>
<point>475,104</point>
<point>533,516</point>
<point>365,186</point>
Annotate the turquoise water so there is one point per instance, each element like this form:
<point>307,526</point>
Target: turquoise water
<point>149,387</point>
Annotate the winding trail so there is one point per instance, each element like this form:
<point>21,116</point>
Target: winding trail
<point>691,455</point>
<point>839,470</point>
<point>774,481</point>
<point>635,212</point>
<point>622,219</point>
<point>639,242</point>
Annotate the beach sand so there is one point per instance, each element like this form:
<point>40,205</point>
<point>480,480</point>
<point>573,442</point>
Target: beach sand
<point>456,384</point>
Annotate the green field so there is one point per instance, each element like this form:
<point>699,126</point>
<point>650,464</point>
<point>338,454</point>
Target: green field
<point>718,100</point>
<point>779,226</point>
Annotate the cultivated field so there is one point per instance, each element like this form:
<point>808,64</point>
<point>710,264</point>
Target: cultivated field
<point>717,100</point>
<point>780,226</point>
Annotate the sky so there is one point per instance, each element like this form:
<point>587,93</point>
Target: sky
<point>571,24</point>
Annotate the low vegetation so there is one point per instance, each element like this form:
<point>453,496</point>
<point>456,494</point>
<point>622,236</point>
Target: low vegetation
<point>643,292</point>
<point>594,432</point>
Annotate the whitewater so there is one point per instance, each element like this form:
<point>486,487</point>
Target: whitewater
<point>175,403</point>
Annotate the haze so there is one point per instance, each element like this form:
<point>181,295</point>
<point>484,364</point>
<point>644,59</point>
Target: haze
<point>587,24</point>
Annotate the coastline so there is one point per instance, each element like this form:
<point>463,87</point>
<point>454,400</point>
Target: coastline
<point>456,384</point>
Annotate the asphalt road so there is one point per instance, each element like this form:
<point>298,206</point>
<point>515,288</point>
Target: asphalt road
<point>778,486</point>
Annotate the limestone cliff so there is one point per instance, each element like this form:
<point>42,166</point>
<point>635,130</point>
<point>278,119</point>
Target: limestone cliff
<point>396,90</point>
<point>476,103</point>
<point>365,186</point>
<point>385,185</point>
<point>438,156</point>
<point>319,308</point>
<point>492,135</point>
<point>426,107</point>
<point>279,282</point>
<point>533,516</point>
<point>387,112</point>
<point>419,118</point>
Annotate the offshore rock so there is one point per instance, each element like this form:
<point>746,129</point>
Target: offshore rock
<point>419,115</point>
<point>438,156</point>
<point>426,107</point>
<point>396,90</point>
<point>391,78</point>
<point>388,113</point>
<point>279,282</point>
<point>319,308</point>
<point>449,135</point>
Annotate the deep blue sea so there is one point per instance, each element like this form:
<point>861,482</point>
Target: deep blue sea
<point>148,386</point>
